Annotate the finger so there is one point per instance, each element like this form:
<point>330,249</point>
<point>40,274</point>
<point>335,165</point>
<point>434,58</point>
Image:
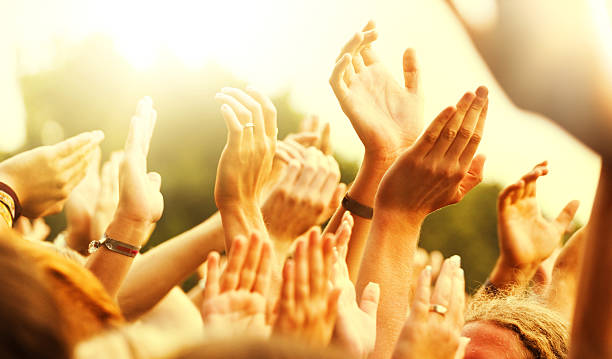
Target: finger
<point>251,262</point>
<point>564,219</point>
<point>253,106</point>
<point>77,172</point>
<point>291,173</point>
<point>155,180</point>
<point>443,289</point>
<point>457,302</point>
<point>281,154</point>
<point>324,143</point>
<point>315,263</point>
<point>449,133</point>
<point>293,149</point>
<point>472,146</point>
<point>234,127</point>
<point>349,73</point>
<point>369,299</point>
<point>80,154</point>
<point>518,194</point>
<point>322,172</point>
<point>358,63</point>
<point>329,257</point>
<point>436,259</point>
<point>135,142</point>
<point>152,123</point>
<point>231,275</point>
<point>336,80</point>
<point>287,300</point>
<point>530,179</point>
<point>504,199</point>
<point>468,125</point>
<point>411,71</point>
<point>369,56</point>
<point>212,276</point>
<point>352,45</point>
<point>264,271</point>
<point>332,305</point>
<point>336,199</point>
<point>269,111</point>
<point>474,175</point>
<point>430,137</point>
<point>302,290</point>
<point>308,172</point>
<point>305,139</point>
<point>420,301</point>
<point>306,125</point>
<point>71,145</point>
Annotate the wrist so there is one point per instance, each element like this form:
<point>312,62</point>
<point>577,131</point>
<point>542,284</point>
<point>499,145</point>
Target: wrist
<point>368,178</point>
<point>507,273</point>
<point>127,230</point>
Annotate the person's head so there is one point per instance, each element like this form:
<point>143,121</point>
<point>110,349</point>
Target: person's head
<point>514,327</point>
<point>84,305</point>
<point>31,322</point>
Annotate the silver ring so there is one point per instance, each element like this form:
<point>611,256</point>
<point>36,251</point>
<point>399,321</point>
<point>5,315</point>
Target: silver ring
<point>249,124</point>
<point>438,308</point>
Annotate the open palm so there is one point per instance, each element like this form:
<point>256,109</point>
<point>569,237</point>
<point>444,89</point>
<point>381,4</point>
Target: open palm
<point>386,116</point>
<point>526,237</point>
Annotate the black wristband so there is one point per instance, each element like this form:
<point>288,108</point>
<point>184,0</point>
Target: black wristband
<point>357,208</point>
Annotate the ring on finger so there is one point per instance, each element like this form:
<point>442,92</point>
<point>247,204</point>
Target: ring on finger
<point>439,309</point>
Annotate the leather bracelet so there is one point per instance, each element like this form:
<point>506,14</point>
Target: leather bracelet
<point>10,199</point>
<point>5,213</point>
<point>357,208</point>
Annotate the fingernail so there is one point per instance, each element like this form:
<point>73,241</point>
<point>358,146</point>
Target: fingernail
<point>461,272</point>
<point>482,91</point>
<point>456,260</point>
<point>428,270</point>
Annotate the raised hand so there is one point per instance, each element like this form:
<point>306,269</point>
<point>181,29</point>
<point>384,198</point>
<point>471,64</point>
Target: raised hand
<point>355,329</point>
<point>433,329</point>
<point>526,238</point>
<point>246,162</point>
<point>140,199</point>
<point>307,195</point>
<point>44,177</point>
<point>247,157</point>
<point>308,306</point>
<point>311,134</point>
<point>235,301</point>
<point>440,168</point>
<point>387,117</point>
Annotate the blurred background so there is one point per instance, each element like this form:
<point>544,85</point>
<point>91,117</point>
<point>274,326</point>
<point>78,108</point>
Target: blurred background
<point>68,66</point>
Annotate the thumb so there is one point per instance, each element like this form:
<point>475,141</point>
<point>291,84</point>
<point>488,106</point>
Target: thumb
<point>369,299</point>
<point>567,214</point>
<point>411,71</point>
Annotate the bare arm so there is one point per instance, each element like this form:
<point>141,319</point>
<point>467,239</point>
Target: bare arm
<point>386,122</point>
<point>438,170</point>
<point>154,274</point>
<point>592,327</point>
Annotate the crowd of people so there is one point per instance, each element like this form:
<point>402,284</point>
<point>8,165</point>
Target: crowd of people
<point>296,264</point>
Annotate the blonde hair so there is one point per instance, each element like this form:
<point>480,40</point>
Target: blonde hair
<point>542,331</point>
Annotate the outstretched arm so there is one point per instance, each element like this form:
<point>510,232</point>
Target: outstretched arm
<point>438,170</point>
<point>140,202</point>
<point>387,117</point>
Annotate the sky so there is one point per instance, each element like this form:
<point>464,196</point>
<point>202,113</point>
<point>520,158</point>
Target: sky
<point>283,44</point>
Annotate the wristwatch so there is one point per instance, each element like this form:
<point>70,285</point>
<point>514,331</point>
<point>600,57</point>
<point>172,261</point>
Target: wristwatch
<point>113,245</point>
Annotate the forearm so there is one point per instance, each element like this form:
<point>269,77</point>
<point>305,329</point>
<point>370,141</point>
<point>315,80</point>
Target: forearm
<point>592,327</point>
<point>363,191</point>
<point>154,274</point>
<point>388,261</point>
<point>110,267</point>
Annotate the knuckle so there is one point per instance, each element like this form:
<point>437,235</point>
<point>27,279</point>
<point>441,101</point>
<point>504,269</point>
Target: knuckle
<point>476,138</point>
<point>449,133</point>
<point>464,133</point>
<point>430,137</point>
